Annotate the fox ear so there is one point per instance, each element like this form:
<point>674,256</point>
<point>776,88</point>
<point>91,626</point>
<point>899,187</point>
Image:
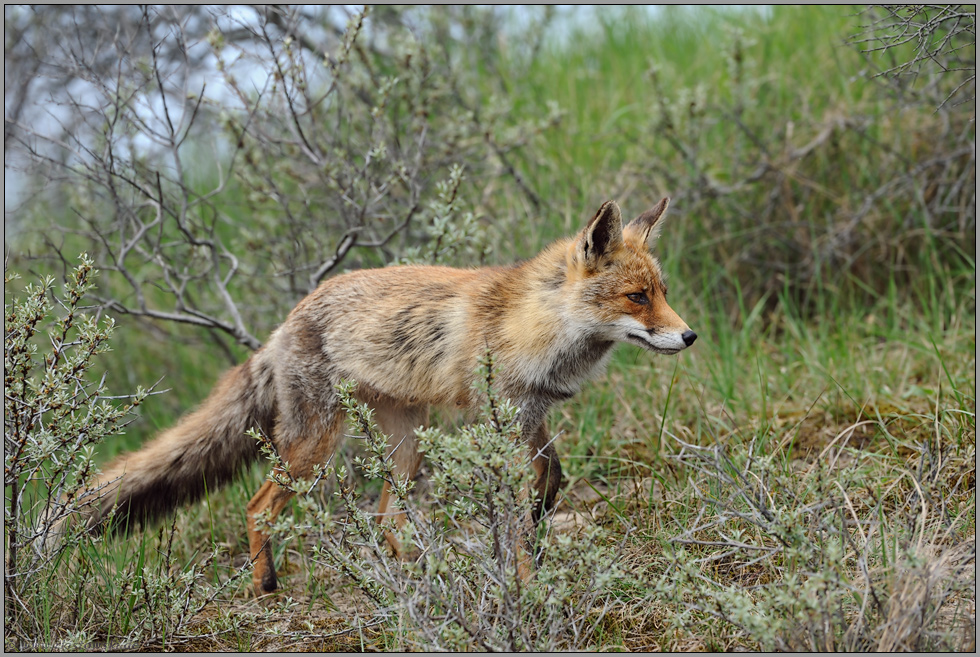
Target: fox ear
<point>645,229</point>
<point>602,235</point>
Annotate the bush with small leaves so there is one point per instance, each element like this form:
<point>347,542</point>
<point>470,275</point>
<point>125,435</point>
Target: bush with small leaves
<point>463,590</point>
<point>53,416</point>
<point>55,413</point>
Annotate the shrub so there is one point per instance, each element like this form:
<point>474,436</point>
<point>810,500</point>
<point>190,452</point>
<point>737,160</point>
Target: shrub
<point>54,416</point>
<point>463,590</point>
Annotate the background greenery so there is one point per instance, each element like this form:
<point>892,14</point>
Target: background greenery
<point>820,241</point>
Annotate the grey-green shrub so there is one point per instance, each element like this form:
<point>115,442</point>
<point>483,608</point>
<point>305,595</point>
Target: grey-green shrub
<point>462,590</point>
<point>55,414</point>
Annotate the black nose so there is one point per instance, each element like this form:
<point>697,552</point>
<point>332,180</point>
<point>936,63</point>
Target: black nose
<point>689,337</point>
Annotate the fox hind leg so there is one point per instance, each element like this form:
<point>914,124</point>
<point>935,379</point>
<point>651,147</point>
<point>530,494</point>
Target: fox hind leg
<point>301,455</point>
<point>399,422</point>
<point>273,497</point>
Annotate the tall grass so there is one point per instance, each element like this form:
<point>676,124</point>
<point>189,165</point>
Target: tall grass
<point>803,478</point>
<point>791,171</point>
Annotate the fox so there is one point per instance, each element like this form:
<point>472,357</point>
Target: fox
<point>410,337</point>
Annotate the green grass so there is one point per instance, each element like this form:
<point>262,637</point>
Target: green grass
<point>849,382</point>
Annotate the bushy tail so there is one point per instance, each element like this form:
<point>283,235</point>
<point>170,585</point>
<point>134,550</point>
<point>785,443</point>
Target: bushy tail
<point>205,449</point>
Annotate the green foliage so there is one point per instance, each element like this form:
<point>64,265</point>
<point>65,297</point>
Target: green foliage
<point>450,233</point>
<point>54,417</point>
<point>792,175</point>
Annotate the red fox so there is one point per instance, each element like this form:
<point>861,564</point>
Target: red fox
<point>410,337</point>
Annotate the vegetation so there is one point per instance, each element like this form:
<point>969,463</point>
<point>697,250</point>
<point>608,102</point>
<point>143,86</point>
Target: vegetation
<point>803,478</point>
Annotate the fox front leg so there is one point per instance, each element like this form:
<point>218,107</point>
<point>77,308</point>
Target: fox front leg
<point>544,460</point>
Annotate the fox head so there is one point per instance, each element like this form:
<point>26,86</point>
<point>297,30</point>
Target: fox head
<point>620,284</point>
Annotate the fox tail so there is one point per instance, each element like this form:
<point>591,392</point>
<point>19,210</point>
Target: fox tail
<point>203,451</point>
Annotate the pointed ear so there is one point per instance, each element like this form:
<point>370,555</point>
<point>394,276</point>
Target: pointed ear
<point>645,229</point>
<point>603,234</point>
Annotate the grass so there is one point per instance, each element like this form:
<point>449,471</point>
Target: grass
<point>868,405</point>
<point>809,464</point>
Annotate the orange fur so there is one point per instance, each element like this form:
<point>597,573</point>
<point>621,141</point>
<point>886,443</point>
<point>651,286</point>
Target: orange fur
<point>411,337</point>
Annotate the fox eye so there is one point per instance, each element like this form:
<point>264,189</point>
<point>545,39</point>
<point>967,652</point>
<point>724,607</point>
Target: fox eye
<point>638,297</point>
